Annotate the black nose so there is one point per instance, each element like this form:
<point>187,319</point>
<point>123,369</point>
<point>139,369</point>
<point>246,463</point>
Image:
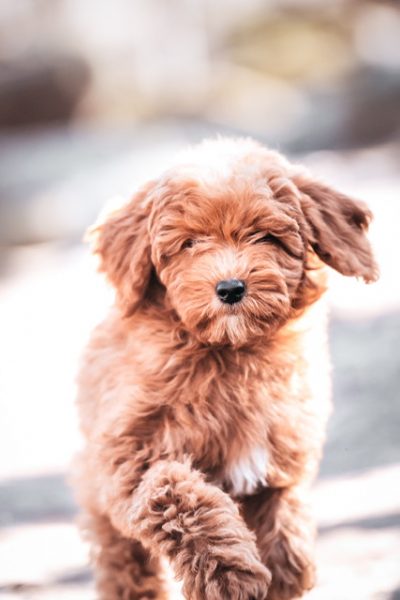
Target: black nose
<point>231,290</point>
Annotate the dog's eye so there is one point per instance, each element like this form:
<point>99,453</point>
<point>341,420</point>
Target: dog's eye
<point>268,238</point>
<point>271,239</point>
<point>187,244</point>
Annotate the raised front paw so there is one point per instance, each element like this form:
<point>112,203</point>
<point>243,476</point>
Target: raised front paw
<point>219,581</point>
<point>239,585</point>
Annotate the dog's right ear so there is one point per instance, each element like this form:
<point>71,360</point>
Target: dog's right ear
<point>122,243</point>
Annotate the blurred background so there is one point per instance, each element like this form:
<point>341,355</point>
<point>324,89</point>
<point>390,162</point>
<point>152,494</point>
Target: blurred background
<point>95,97</point>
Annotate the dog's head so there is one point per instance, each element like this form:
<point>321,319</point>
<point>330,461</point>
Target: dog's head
<point>230,235</point>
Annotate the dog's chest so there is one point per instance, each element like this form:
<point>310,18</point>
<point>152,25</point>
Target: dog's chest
<point>247,472</point>
<point>239,436</point>
<point>225,430</point>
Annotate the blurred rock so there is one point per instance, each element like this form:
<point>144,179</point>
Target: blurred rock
<point>39,89</point>
<point>363,108</point>
<point>373,101</point>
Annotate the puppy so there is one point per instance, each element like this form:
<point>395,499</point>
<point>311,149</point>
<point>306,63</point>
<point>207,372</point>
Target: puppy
<point>205,392</point>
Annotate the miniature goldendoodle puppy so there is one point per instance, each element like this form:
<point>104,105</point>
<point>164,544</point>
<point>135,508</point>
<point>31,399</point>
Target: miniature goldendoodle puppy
<point>204,394</point>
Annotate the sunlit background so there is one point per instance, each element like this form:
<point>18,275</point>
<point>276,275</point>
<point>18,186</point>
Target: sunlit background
<point>95,97</point>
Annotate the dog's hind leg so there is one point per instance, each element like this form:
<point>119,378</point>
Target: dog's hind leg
<point>285,538</point>
<point>124,569</point>
<point>198,527</point>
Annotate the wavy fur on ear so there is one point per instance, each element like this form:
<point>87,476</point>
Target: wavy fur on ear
<point>122,244</point>
<point>337,228</point>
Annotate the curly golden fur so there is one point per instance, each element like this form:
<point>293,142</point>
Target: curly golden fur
<point>204,419</point>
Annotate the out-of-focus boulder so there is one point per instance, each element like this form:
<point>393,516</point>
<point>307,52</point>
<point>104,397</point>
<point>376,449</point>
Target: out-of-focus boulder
<point>39,89</point>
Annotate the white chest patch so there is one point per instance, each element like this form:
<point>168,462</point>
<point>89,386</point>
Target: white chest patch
<point>248,473</point>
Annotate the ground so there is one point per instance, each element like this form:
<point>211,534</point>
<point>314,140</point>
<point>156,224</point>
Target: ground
<point>50,299</point>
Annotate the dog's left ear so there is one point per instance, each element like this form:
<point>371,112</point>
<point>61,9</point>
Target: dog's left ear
<point>122,243</point>
<point>337,228</point>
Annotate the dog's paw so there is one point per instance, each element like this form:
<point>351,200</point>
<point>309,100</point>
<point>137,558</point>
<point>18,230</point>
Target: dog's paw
<point>230,583</point>
<point>236,584</point>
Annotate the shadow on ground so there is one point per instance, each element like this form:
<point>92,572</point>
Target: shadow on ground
<point>364,428</point>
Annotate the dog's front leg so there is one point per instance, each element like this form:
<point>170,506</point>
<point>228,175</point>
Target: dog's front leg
<point>285,538</point>
<point>197,526</point>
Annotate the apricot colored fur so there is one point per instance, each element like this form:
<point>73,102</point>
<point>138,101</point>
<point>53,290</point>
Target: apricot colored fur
<point>178,391</point>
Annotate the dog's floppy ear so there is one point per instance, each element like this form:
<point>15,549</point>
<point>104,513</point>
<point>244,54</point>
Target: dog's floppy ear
<point>122,243</point>
<point>337,227</point>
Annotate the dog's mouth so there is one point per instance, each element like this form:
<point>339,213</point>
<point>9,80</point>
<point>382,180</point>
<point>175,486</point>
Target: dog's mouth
<point>252,317</point>
<point>233,309</point>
